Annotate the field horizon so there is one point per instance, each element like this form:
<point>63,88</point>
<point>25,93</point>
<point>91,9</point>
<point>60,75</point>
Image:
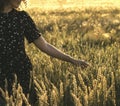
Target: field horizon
<point>57,4</point>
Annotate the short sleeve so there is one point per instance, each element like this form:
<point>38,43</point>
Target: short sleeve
<point>30,30</point>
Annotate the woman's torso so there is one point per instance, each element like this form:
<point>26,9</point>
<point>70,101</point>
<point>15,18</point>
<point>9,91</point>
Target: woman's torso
<point>12,48</point>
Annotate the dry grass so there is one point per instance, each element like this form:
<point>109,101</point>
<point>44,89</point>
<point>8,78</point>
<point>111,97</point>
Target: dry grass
<point>89,34</point>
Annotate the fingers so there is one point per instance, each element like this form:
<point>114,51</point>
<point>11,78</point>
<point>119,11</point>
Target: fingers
<point>80,63</point>
<point>83,64</point>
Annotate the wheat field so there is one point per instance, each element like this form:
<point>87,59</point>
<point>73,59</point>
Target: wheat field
<point>91,34</point>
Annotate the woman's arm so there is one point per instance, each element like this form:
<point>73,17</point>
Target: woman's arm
<point>49,49</point>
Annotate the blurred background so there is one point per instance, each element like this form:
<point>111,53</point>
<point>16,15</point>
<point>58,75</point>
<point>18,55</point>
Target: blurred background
<point>55,4</point>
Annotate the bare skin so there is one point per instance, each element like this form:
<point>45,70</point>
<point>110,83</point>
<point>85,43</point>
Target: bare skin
<point>49,49</point>
<point>44,46</point>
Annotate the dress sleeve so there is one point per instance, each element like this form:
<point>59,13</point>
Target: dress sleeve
<point>30,30</point>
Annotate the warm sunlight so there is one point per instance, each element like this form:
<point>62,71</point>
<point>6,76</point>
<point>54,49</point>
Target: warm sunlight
<point>47,4</point>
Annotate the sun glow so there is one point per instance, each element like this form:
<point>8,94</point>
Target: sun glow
<point>49,4</point>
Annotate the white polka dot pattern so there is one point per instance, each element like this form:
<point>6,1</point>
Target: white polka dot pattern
<point>14,26</point>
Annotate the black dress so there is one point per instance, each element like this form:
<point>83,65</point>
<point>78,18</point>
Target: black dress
<point>14,26</point>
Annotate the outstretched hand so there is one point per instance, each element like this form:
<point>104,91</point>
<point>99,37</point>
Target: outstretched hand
<point>81,63</point>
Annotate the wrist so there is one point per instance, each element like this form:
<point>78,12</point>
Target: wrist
<point>70,59</point>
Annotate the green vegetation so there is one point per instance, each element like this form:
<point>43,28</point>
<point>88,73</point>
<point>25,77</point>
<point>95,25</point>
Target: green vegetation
<point>90,34</point>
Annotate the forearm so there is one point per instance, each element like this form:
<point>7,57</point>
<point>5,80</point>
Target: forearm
<point>56,53</point>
